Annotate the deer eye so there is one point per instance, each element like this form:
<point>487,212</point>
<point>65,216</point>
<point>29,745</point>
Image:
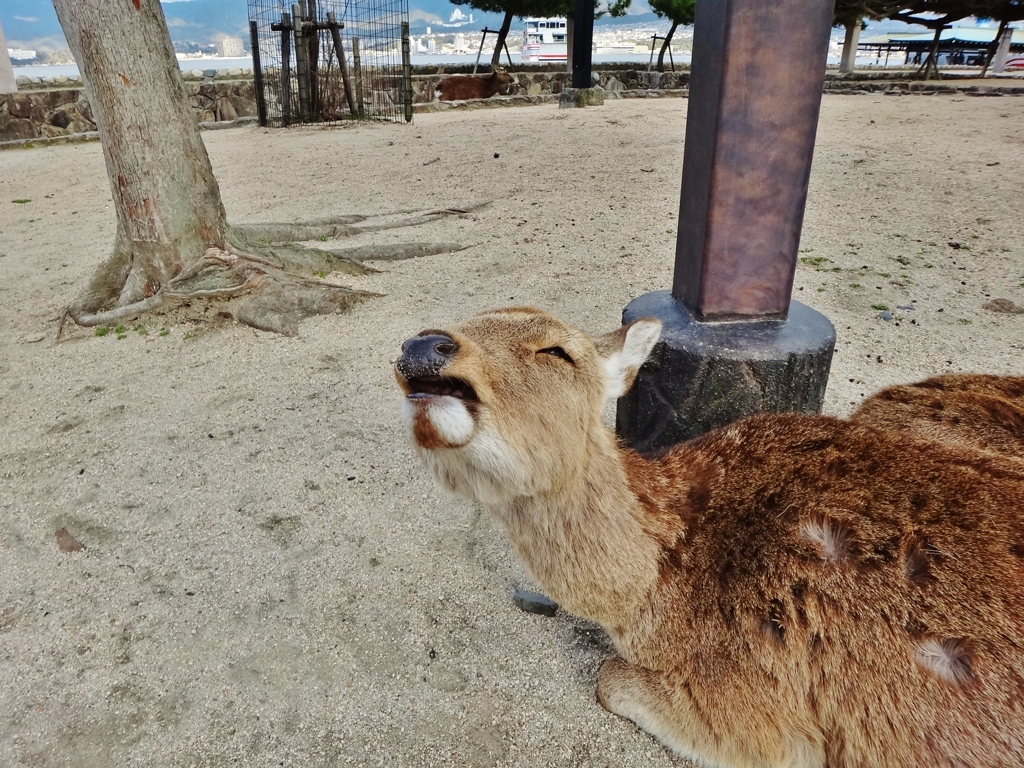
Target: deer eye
<point>557,352</point>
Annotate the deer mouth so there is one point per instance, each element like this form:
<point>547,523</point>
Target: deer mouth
<point>439,386</point>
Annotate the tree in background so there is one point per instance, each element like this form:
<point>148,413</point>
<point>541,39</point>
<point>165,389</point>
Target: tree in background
<point>511,9</point>
<point>851,15</point>
<point>567,8</point>
<point>173,243</point>
<point>938,15</point>
<point>678,12</point>
<point>1005,12</point>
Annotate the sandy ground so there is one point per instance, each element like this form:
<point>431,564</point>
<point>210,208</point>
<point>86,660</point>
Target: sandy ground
<point>269,577</point>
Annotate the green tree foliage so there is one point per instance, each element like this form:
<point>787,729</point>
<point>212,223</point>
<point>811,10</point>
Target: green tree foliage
<point>510,9</point>
<point>850,12</point>
<point>678,12</point>
<point>1005,12</point>
<point>938,14</point>
<point>542,8</point>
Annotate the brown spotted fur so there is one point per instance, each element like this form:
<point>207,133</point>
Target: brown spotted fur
<point>984,411</point>
<point>462,87</point>
<point>784,591</point>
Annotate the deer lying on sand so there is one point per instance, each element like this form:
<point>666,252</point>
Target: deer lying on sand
<point>462,87</point>
<point>784,591</point>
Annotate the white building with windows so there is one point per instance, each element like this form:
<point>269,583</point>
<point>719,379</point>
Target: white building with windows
<point>230,47</point>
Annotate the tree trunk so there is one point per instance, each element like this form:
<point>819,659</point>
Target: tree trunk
<point>506,25</point>
<point>570,33</point>
<point>7,82</point>
<point>1000,50</point>
<point>849,60</point>
<point>166,198</point>
<point>932,62</point>
<point>665,45</point>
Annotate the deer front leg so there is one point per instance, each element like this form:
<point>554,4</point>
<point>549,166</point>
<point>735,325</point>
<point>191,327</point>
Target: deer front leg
<point>643,697</point>
<point>666,709</point>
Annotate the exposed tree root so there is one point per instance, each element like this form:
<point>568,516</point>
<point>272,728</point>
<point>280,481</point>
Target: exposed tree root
<point>396,251</point>
<point>253,235</point>
<point>262,263</point>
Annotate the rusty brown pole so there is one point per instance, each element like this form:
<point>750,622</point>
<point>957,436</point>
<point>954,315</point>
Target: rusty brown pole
<point>733,342</point>
<point>755,90</point>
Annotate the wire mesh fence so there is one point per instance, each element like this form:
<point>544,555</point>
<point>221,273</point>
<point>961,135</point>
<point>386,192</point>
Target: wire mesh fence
<point>322,61</point>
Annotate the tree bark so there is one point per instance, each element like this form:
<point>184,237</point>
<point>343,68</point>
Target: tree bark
<point>932,61</point>
<point>166,198</point>
<point>665,45</point>
<point>999,50</point>
<point>506,25</point>
<point>570,34</point>
<point>7,82</point>
<point>849,60</point>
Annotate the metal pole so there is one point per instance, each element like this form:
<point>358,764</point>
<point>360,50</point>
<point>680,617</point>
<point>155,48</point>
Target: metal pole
<point>342,64</point>
<point>357,68</point>
<point>257,74</point>
<point>313,57</point>
<point>286,70</point>
<point>582,43</point>
<point>301,60</point>
<point>480,50</point>
<point>406,73</point>
<point>755,90</point>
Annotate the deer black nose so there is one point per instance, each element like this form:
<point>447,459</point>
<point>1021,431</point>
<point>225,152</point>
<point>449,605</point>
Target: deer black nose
<point>426,355</point>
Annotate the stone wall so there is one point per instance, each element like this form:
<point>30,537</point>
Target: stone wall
<point>36,113</point>
<point>53,108</point>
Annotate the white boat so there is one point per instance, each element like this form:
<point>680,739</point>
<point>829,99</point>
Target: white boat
<point>18,55</point>
<point>544,40</point>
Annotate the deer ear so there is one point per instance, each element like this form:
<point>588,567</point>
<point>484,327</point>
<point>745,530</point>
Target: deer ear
<point>624,351</point>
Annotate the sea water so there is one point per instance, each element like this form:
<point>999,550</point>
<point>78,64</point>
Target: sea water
<point>641,60</point>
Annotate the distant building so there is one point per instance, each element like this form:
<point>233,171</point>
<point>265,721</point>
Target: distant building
<point>230,47</point>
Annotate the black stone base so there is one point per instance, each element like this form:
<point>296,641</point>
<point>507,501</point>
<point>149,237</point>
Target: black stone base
<point>704,375</point>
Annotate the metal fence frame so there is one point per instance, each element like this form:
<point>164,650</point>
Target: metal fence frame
<point>324,61</point>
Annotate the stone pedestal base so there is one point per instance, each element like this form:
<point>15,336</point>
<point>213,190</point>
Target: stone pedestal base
<point>704,375</point>
<point>580,97</point>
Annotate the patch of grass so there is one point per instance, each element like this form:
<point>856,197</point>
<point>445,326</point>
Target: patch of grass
<point>21,200</point>
<point>140,329</point>
<point>164,331</point>
<point>100,330</point>
<point>928,266</point>
<point>119,329</point>
<point>122,336</point>
<point>885,274</point>
<point>855,285</point>
<point>806,250</point>
<point>880,307</point>
<point>813,261</point>
<point>821,290</point>
<point>965,321</point>
<point>322,238</point>
<point>195,333</point>
<point>320,273</point>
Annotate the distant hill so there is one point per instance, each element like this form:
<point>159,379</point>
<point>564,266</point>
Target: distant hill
<point>33,23</point>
